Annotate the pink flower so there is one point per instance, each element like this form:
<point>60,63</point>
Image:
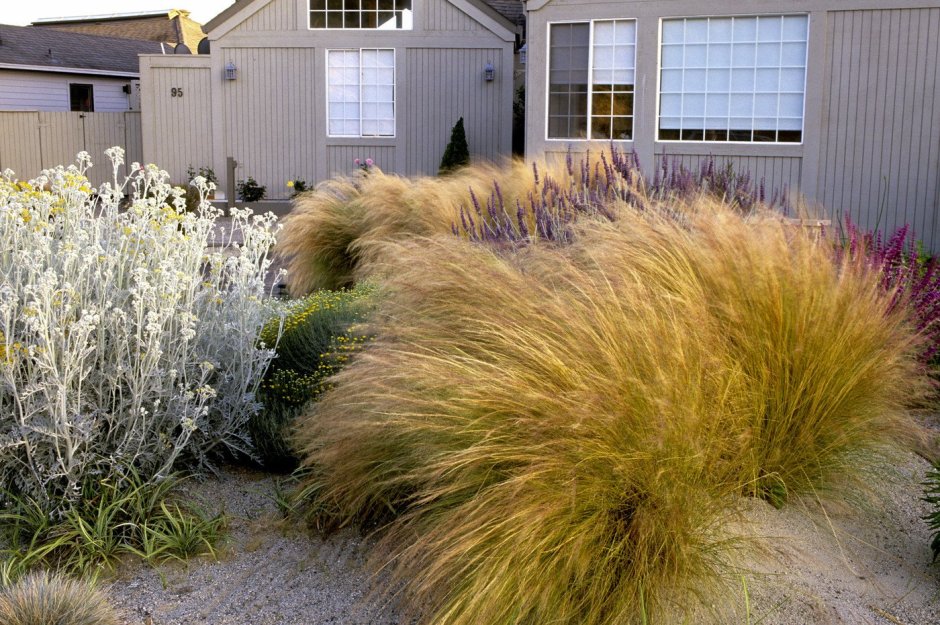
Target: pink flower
<point>356,162</point>
<point>369,162</point>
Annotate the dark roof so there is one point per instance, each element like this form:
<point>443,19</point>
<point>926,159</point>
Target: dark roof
<point>45,47</point>
<point>511,10</point>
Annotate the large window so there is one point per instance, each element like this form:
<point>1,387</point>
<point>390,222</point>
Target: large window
<point>380,14</point>
<point>361,93</point>
<point>591,68</point>
<point>733,79</point>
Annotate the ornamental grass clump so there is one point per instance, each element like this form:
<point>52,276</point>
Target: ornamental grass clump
<point>561,433</point>
<point>333,236</point>
<point>52,599</point>
<point>124,341</point>
<point>541,443</point>
<point>318,335</point>
<point>334,233</point>
<point>827,363</point>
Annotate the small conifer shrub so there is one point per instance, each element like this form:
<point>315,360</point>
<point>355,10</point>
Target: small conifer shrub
<point>457,152</point>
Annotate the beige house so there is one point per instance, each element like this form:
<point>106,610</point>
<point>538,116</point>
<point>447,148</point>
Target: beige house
<point>299,89</point>
<point>836,100</point>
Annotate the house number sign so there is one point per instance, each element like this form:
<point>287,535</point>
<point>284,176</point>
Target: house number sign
<point>176,92</point>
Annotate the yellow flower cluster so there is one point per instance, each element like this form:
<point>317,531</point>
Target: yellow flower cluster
<point>302,309</point>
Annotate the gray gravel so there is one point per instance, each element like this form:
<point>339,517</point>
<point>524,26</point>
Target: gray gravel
<point>268,573</point>
<point>814,567</point>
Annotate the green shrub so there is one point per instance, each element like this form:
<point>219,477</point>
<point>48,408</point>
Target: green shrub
<point>250,191</point>
<point>320,333</point>
<point>46,599</point>
<point>556,434</point>
<point>457,152</point>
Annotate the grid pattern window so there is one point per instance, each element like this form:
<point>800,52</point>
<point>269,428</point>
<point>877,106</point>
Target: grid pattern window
<point>361,93</point>
<point>361,14</point>
<point>591,80</point>
<point>733,79</point>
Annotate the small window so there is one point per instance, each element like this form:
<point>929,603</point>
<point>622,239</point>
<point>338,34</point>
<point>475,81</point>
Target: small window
<point>361,14</point>
<point>591,80</point>
<point>733,79</point>
<point>81,98</point>
<point>361,93</point>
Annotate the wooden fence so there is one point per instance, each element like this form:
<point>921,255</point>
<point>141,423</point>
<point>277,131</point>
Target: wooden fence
<point>31,141</point>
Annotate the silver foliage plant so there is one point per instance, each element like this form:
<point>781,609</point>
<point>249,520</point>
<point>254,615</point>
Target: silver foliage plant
<point>128,328</point>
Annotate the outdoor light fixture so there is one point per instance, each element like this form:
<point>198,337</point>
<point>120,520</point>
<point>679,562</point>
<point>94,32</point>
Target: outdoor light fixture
<point>231,72</point>
<point>489,72</point>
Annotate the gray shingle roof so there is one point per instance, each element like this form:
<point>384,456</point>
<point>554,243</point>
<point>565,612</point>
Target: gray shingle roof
<point>510,9</point>
<point>28,45</point>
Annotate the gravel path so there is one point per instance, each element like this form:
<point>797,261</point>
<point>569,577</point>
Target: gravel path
<point>268,573</point>
<point>832,568</point>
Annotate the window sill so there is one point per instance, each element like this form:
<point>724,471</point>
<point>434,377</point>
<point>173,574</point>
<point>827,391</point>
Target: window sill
<point>724,148</point>
<point>365,141</point>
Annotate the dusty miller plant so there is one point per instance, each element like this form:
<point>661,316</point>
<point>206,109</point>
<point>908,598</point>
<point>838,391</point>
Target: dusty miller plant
<point>125,340</point>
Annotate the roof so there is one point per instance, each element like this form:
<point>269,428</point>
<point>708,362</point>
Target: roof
<point>171,26</point>
<point>510,10</point>
<point>106,17</point>
<point>59,50</point>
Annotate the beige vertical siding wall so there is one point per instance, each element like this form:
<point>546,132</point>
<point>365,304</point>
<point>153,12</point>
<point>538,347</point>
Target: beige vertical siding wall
<point>340,159</point>
<point>272,119</point>
<point>30,142</point>
<point>280,15</point>
<point>177,131</point>
<point>445,16</point>
<point>781,173</point>
<point>881,140</point>
<point>448,82</point>
<point>270,115</point>
<point>871,143</point>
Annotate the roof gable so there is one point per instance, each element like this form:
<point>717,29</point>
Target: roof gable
<point>499,16</point>
<point>61,50</point>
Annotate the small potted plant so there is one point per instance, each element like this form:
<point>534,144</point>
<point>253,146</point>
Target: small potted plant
<point>250,191</point>
<point>297,186</point>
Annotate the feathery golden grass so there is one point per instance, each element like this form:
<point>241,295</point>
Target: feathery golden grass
<point>332,233</point>
<point>47,599</point>
<point>557,435</point>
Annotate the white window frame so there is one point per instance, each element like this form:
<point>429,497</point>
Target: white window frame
<point>409,27</point>
<point>590,94</point>
<point>659,78</point>
<point>394,94</point>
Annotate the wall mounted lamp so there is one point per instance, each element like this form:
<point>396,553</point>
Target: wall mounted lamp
<point>489,72</point>
<point>231,72</point>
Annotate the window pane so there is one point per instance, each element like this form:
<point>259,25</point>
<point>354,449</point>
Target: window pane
<point>361,14</point>
<point>795,28</point>
<point>568,81</point>
<point>733,79</point>
<point>361,92</point>
<point>612,80</point>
